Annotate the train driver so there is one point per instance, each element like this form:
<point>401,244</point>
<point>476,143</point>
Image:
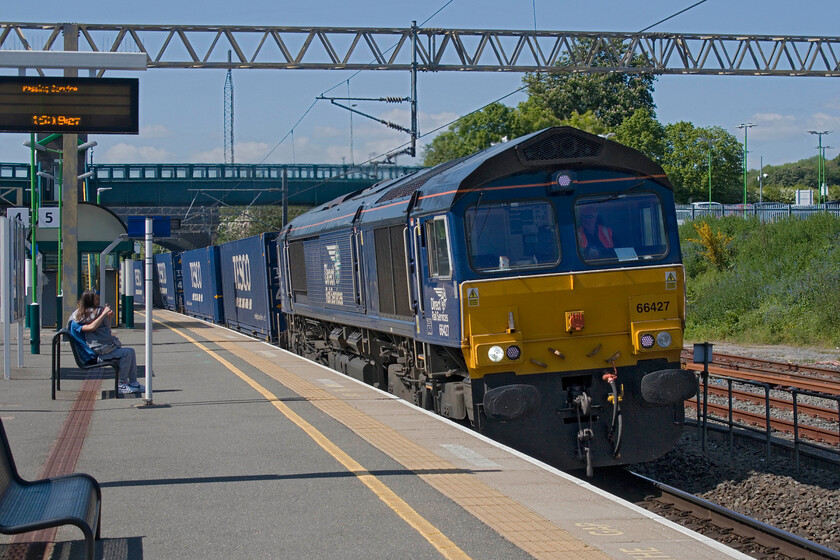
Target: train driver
<point>594,238</point>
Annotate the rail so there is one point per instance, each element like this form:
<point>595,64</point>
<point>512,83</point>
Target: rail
<point>750,531</point>
<point>803,434</point>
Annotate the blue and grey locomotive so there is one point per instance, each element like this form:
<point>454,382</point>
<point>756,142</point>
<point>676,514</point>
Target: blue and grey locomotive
<point>534,290</point>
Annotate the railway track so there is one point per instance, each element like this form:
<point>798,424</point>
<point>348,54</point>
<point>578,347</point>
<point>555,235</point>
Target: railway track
<point>787,377</point>
<point>737,531</point>
<point>830,414</point>
<point>813,433</point>
<point>759,364</point>
<point>775,378</point>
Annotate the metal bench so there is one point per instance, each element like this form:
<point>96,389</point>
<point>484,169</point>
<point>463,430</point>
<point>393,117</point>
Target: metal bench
<point>56,362</point>
<point>73,499</point>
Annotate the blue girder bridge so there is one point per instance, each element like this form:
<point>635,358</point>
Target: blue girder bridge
<point>206,184</point>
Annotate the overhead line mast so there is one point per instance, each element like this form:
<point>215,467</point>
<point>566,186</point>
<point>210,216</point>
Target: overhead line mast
<point>229,153</point>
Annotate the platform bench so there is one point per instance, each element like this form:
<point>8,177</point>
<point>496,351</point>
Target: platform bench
<point>77,356</point>
<point>73,499</point>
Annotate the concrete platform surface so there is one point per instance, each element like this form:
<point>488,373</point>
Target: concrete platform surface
<point>247,451</point>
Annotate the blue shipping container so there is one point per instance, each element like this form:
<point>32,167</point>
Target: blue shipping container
<point>249,285</point>
<point>202,280</point>
<point>168,269</point>
<point>139,283</point>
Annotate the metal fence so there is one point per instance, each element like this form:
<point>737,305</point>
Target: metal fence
<point>766,211</point>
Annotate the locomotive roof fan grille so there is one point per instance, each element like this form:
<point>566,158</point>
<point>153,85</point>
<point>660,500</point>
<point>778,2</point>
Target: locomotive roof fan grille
<point>407,188</point>
<point>560,146</point>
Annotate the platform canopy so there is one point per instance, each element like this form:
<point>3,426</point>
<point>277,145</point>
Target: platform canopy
<point>98,228</point>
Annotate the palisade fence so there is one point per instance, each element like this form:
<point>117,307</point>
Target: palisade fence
<point>766,211</point>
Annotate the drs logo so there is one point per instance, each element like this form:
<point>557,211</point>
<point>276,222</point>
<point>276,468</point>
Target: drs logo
<point>195,275</point>
<point>242,272</point>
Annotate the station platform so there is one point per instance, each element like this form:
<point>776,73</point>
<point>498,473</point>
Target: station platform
<point>250,452</point>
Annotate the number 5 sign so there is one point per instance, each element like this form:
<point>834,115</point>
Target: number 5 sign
<point>20,215</point>
<point>48,218</point>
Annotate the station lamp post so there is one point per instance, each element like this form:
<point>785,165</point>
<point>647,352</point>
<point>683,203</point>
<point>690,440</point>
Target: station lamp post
<point>99,192</point>
<point>745,126</point>
<point>820,165</point>
<point>709,142</point>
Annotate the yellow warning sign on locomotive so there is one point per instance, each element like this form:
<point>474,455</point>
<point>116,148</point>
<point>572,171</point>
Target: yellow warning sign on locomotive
<point>670,280</point>
<point>472,297</point>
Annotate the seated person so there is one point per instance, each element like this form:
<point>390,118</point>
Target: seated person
<point>594,239</point>
<point>95,324</point>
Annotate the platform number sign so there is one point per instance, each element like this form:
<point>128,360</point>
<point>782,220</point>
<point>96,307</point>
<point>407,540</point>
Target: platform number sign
<point>19,215</point>
<point>48,218</point>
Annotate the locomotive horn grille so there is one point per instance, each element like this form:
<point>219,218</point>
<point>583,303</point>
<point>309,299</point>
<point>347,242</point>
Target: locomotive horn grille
<point>561,146</point>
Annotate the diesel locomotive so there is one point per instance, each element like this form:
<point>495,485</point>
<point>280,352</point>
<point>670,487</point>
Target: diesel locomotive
<point>534,290</point>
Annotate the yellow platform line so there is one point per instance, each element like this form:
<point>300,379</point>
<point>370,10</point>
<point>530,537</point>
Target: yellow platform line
<point>523,527</point>
<point>436,538</point>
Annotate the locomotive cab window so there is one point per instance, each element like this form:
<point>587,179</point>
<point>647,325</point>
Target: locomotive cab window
<point>623,228</point>
<point>512,235</point>
<point>437,247</point>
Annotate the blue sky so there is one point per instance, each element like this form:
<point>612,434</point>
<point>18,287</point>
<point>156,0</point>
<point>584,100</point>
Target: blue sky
<point>181,111</point>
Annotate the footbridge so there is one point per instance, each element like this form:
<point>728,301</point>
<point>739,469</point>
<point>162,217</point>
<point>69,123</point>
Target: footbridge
<point>204,184</point>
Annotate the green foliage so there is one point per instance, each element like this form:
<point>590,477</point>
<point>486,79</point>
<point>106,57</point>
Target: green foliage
<point>612,97</point>
<point>686,162</point>
<point>239,223</point>
<point>471,134</point>
<point>644,133</point>
<point>782,285</point>
<point>532,115</point>
<point>588,122</point>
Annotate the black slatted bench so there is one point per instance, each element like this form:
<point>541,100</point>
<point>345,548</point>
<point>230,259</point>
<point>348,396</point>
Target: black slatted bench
<point>73,499</point>
<point>56,362</point>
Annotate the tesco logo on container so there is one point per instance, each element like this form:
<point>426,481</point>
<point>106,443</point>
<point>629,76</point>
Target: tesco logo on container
<point>242,279</point>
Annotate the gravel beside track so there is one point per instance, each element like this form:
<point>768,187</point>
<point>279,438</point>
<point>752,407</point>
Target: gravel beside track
<point>806,504</point>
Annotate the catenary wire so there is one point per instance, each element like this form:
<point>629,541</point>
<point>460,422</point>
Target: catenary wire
<point>672,16</point>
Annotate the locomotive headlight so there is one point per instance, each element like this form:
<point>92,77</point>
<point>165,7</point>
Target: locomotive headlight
<point>647,340</point>
<point>663,339</point>
<point>513,352</point>
<point>496,353</point>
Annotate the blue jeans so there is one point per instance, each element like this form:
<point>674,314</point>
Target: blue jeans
<point>128,363</point>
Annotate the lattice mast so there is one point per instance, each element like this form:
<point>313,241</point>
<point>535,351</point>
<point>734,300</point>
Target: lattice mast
<point>229,155</point>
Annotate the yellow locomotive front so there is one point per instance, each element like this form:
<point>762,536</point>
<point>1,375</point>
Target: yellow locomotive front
<point>579,367</point>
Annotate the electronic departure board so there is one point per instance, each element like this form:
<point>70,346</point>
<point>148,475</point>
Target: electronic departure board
<point>83,105</point>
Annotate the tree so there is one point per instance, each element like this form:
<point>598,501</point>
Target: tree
<point>644,133</point>
<point>686,161</point>
<point>239,223</point>
<point>612,96</point>
<point>472,133</point>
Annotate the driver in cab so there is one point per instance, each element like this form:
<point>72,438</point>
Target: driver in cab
<point>594,239</point>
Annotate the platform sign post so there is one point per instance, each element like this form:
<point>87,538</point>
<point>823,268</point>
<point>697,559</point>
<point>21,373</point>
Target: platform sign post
<point>149,288</point>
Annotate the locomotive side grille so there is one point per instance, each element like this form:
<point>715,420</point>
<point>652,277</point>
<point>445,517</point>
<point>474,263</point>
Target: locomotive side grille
<point>561,146</point>
<point>398,257</point>
<point>409,187</point>
<point>297,266</point>
<point>389,246</point>
<point>384,271</point>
